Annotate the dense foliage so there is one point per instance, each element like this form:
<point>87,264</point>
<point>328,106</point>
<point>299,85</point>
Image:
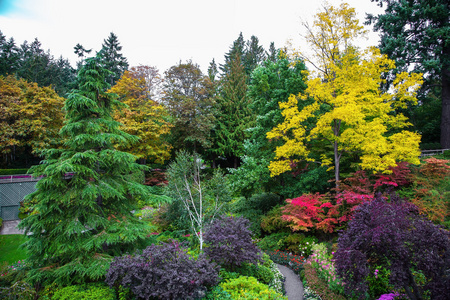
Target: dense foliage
<point>196,199</point>
<point>416,35</point>
<point>81,211</point>
<point>391,233</point>
<point>164,271</point>
<point>350,114</point>
<point>229,242</point>
<point>30,119</point>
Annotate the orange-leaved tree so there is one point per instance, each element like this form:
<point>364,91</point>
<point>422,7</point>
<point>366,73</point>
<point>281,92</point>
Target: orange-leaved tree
<point>30,118</point>
<point>143,116</point>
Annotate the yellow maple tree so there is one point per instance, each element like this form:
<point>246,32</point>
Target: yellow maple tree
<point>350,110</point>
<point>142,116</point>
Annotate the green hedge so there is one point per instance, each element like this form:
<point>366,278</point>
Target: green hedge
<point>13,171</point>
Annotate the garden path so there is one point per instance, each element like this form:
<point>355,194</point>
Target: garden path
<point>10,227</point>
<point>293,284</point>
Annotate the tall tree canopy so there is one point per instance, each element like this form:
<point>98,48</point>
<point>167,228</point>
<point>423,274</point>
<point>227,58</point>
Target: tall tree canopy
<point>250,53</point>
<point>270,83</point>
<point>30,119</point>
<point>112,58</point>
<point>79,223</point>
<point>416,34</point>
<point>233,113</point>
<point>350,110</point>
<point>31,62</point>
<point>188,96</point>
<point>143,116</point>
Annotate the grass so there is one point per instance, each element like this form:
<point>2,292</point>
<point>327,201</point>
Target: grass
<point>9,248</point>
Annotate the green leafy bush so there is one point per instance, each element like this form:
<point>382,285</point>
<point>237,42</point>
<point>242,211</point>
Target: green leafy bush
<point>264,201</point>
<point>245,287</point>
<point>378,282</point>
<point>1,222</point>
<point>292,242</point>
<point>262,273</point>
<point>272,221</point>
<point>446,154</point>
<point>273,242</point>
<point>85,292</point>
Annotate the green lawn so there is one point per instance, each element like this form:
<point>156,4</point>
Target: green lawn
<point>9,248</point>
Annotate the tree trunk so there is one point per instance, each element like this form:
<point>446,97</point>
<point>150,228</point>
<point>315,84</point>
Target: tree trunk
<point>445,117</point>
<point>336,163</point>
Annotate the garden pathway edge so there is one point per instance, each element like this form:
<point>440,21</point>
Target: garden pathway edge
<point>293,285</point>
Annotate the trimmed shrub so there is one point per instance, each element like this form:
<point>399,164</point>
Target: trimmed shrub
<point>229,243</point>
<point>85,292</point>
<point>13,171</point>
<point>164,271</point>
<point>245,287</point>
<point>273,242</point>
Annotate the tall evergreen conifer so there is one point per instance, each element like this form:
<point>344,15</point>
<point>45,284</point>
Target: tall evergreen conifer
<point>81,211</point>
<point>234,115</point>
<point>114,60</point>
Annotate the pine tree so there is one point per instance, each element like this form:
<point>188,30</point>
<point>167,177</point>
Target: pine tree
<point>114,60</point>
<point>81,211</point>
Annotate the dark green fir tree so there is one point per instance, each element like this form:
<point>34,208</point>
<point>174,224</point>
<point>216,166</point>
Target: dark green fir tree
<point>416,34</point>
<point>234,115</point>
<point>81,213</point>
<point>113,59</point>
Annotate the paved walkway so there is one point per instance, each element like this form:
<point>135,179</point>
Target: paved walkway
<point>293,284</point>
<point>10,227</point>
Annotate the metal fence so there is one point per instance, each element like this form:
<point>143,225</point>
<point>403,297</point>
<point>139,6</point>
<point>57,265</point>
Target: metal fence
<point>11,194</point>
<point>432,152</point>
<point>18,178</point>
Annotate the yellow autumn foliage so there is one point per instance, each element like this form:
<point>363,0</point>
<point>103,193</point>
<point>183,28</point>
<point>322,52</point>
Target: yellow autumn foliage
<point>349,109</point>
<point>143,117</point>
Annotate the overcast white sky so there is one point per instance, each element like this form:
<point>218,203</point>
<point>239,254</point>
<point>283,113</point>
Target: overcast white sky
<point>162,32</point>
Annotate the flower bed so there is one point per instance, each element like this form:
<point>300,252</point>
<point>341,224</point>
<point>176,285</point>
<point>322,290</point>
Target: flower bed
<point>294,262</point>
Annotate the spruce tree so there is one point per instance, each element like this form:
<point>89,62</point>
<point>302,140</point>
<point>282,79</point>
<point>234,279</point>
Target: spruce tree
<point>81,211</point>
<point>234,115</point>
<point>114,60</point>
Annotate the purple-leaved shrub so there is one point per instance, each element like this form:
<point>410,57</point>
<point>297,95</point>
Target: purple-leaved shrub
<point>163,271</point>
<point>229,242</point>
<point>393,234</point>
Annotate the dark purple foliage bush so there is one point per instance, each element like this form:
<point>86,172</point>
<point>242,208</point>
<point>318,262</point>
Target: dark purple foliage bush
<point>229,243</point>
<point>164,271</point>
<point>394,235</point>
